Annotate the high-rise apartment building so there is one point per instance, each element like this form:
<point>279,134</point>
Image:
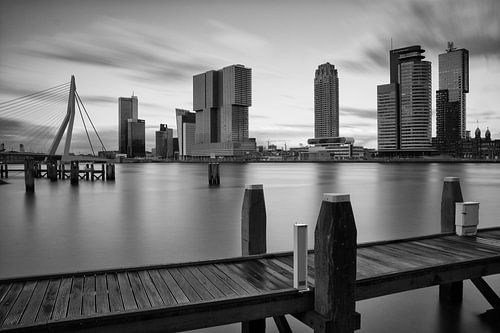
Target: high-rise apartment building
<point>127,109</point>
<point>221,100</point>
<point>164,142</point>
<point>186,127</point>
<point>131,130</point>
<point>404,105</point>
<point>326,101</point>
<point>450,98</point>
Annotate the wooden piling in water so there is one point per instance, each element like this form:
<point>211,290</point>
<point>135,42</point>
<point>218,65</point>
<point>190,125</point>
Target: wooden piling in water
<point>452,193</point>
<point>253,238</point>
<point>1,170</point>
<point>213,174</point>
<point>335,264</point>
<point>29,178</point>
<point>87,171</point>
<point>52,171</point>
<point>92,172</point>
<point>110,171</point>
<point>74,173</point>
<point>103,172</point>
<point>63,171</point>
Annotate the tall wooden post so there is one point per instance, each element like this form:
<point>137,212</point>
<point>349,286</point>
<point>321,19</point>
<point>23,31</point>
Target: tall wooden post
<point>51,171</point>
<point>6,170</point>
<point>92,172</point>
<point>1,170</point>
<point>452,193</point>
<point>110,171</point>
<point>74,173</point>
<point>29,178</point>
<point>87,171</point>
<point>103,173</point>
<point>63,171</point>
<point>253,238</point>
<point>335,246</point>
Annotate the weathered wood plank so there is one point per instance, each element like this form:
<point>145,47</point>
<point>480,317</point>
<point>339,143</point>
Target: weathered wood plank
<point>153,294</point>
<point>35,301</point>
<point>197,285</point>
<point>235,274</point>
<point>187,289</point>
<point>207,284</point>
<point>126,292</point>
<point>114,293</point>
<point>138,290</point>
<point>174,287</point>
<point>62,300</point>
<point>76,297</point>
<point>4,288</point>
<point>49,301</point>
<point>219,283</point>
<point>227,280</point>
<point>89,294</point>
<point>163,289</point>
<point>281,280</point>
<point>22,300</point>
<point>9,299</point>
<point>101,297</point>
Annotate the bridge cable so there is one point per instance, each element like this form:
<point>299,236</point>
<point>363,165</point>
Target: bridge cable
<point>95,130</point>
<point>32,95</point>
<point>85,126</point>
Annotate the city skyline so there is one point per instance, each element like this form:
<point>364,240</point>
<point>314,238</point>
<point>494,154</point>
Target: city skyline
<point>152,57</point>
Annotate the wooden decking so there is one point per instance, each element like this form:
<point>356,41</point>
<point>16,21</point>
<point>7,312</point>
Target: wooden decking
<point>194,295</point>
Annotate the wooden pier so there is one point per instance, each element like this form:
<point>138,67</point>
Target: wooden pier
<point>185,296</point>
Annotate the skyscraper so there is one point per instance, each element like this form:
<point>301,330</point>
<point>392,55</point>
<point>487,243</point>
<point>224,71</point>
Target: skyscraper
<point>450,98</point>
<point>326,101</point>
<point>127,109</point>
<point>164,142</point>
<point>221,99</point>
<point>404,106</point>
<point>186,127</point>
<point>131,130</point>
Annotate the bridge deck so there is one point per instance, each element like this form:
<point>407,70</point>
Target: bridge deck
<point>193,295</point>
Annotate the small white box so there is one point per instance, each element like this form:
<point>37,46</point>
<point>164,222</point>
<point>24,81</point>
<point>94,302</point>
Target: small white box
<point>466,231</point>
<point>466,214</point>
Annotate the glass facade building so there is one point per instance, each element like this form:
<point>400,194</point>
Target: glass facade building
<point>326,101</point>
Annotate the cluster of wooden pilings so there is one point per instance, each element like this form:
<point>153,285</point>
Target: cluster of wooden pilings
<point>54,171</point>
<point>213,174</point>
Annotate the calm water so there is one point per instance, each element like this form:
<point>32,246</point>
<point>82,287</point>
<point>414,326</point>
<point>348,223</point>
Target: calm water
<point>163,213</point>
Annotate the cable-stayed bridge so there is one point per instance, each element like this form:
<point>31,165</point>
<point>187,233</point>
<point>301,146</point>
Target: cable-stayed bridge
<point>38,123</point>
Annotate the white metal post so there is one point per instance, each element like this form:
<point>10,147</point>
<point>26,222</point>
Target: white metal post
<point>300,256</point>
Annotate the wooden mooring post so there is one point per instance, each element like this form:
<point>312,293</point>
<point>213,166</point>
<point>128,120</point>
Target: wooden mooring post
<point>74,173</point>
<point>335,248</point>
<point>110,171</point>
<point>253,237</point>
<point>29,178</point>
<point>452,193</point>
<point>103,172</point>
<point>52,171</point>
<point>213,174</point>
<point>4,170</point>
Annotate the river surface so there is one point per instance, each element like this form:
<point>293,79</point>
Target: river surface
<point>164,213</point>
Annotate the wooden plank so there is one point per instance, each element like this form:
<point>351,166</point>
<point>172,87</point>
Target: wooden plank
<point>9,299</point>
<point>126,292</point>
<point>248,274</point>
<point>463,251</point>
<point>76,297</point>
<point>151,291</point>
<point>227,280</point>
<point>197,285</point>
<point>282,324</point>
<point>62,300</point>
<point>490,241</point>
<point>114,293</point>
<point>22,300</point>
<point>173,286</point>
<point>4,288</point>
<point>49,301</point>
<point>36,299</point>
<point>234,275</point>
<point>487,292</point>
<point>101,297</point>
<point>89,294</point>
<point>138,290</point>
<point>212,289</point>
<point>471,243</point>
<point>281,279</point>
<point>184,285</point>
<point>219,283</point>
<point>162,288</point>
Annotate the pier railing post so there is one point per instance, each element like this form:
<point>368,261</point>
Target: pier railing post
<point>335,248</point>
<point>452,193</point>
<point>253,238</point>
<point>74,173</point>
<point>29,178</point>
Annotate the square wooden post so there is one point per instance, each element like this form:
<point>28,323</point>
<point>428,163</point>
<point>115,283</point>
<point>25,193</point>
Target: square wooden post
<point>452,193</point>
<point>253,238</point>
<point>335,248</point>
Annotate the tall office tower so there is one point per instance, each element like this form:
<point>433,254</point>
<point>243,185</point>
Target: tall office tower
<point>326,101</point>
<point>448,121</point>
<point>127,109</point>
<point>136,146</point>
<point>453,77</point>
<point>186,127</point>
<point>221,99</point>
<point>164,142</point>
<point>404,106</point>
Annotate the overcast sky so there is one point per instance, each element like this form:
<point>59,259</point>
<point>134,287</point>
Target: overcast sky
<point>153,48</point>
